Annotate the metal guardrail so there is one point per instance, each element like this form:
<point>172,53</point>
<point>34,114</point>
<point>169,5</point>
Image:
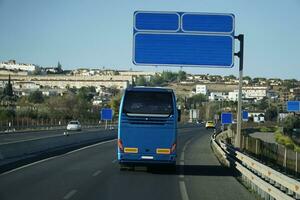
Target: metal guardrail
<point>269,183</point>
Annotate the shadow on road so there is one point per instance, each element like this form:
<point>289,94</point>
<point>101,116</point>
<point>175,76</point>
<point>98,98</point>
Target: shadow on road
<point>195,170</point>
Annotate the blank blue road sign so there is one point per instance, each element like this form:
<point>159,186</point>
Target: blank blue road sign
<point>183,39</point>
<point>183,49</point>
<point>106,114</point>
<point>147,21</point>
<point>293,106</point>
<point>208,23</point>
<point>245,116</point>
<point>226,118</point>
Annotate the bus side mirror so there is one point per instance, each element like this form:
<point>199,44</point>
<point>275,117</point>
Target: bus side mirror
<point>179,115</point>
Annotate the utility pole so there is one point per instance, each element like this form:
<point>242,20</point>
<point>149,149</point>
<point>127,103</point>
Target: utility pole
<point>240,54</point>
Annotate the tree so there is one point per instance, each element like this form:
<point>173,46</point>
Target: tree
<point>156,80</point>
<point>263,105</point>
<point>141,81</point>
<point>168,76</point>
<point>248,78</point>
<point>36,97</point>
<point>290,123</point>
<point>271,113</point>
<point>59,67</point>
<point>196,100</point>
<point>181,75</point>
<point>8,90</point>
<point>86,93</point>
<point>115,105</point>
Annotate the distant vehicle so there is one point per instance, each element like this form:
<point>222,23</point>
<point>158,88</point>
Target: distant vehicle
<point>147,128</point>
<point>199,122</point>
<point>74,125</point>
<point>210,124</point>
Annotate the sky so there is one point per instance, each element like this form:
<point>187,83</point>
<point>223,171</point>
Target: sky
<point>98,33</point>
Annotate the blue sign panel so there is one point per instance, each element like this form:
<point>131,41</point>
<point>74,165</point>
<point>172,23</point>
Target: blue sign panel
<point>147,21</point>
<point>183,49</point>
<point>293,106</point>
<point>245,116</point>
<point>183,39</point>
<point>208,23</point>
<point>106,114</point>
<point>226,118</point>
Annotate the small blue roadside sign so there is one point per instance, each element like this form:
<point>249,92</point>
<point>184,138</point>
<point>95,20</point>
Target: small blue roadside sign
<point>226,118</point>
<point>293,106</point>
<point>183,39</point>
<point>245,116</point>
<point>106,114</point>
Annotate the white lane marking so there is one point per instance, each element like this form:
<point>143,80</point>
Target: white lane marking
<point>90,146</point>
<point>47,159</point>
<point>28,165</point>
<point>97,173</point>
<point>182,156</point>
<point>70,194</point>
<point>38,138</point>
<point>183,192</point>
<point>115,160</point>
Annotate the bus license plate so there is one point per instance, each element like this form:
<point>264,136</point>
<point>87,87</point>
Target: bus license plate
<point>147,157</point>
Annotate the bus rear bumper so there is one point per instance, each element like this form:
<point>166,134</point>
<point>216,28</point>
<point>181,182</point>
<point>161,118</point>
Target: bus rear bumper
<point>138,159</point>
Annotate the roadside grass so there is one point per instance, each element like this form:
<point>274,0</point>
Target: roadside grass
<point>286,141</point>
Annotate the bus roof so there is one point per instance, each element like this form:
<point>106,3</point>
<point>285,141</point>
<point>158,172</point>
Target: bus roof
<point>149,89</point>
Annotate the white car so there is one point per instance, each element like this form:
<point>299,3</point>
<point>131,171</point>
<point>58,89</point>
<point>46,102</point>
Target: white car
<point>74,125</point>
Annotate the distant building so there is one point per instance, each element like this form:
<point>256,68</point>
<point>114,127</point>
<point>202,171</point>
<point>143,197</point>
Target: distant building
<point>217,96</point>
<point>296,93</point>
<point>13,65</point>
<point>201,89</point>
<point>257,93</point>
<point>233,96</point>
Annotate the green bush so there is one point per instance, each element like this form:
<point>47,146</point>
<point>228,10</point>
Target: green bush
<point>286,141</point>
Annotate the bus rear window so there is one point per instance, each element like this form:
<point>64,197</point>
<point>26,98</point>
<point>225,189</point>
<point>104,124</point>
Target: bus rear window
<point>148,103</point>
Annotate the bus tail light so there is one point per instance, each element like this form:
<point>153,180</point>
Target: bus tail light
<point>173,147</point>
<point>131,150</point>
<point>120,145</point>
<point>162,151</point>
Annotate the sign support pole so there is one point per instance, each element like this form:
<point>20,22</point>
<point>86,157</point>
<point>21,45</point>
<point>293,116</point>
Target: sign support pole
<point>240,54</point>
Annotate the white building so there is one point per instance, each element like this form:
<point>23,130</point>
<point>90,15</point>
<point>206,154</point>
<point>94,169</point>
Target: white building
<point>233,96</point>
<point>201,89</point>
<point>12,65</point>
<point>217,96</point>
<point>257,93</point>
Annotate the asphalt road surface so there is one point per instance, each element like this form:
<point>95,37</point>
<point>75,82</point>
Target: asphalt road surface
<point>92,173</point>
<point>25,136</point>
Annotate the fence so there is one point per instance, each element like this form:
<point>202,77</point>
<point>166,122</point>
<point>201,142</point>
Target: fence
<point>278,156</point>
<point>30,124</point>
<point>286,160</point>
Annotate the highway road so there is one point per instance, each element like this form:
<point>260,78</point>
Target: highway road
<point>24,136</point>
<point>93,173</point>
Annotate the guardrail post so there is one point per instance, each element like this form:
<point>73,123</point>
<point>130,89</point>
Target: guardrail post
<point>256,146</point>
<point>296,163</point>
<point>284,159</point>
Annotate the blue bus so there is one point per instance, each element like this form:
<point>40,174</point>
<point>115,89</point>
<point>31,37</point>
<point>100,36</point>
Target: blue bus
<point>147,128</point>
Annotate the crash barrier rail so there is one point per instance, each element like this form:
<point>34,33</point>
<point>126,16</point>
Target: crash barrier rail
<point>279,157</point>
<point>267,182</point>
